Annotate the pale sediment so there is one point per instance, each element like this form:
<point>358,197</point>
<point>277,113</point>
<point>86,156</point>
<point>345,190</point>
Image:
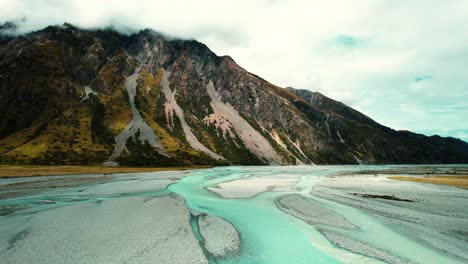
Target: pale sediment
<point>432,215</point>
<point>362,248</point>
<point>252,139</point>
<point>249,187</point>
<point>136,125</point>
<point>283,215</point>
<point>311,212</point>
<point>220,237</point>
<point>172,107</point>
<point>125,231</point>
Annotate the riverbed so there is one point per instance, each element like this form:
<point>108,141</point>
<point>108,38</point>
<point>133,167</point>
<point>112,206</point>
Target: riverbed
<point>237,214</point>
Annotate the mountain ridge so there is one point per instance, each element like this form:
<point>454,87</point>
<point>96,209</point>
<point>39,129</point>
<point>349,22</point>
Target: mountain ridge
<point>74,96</point>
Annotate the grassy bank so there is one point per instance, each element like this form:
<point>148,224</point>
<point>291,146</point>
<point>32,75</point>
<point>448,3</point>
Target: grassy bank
<point>456,181</point>
<point>7,171</point>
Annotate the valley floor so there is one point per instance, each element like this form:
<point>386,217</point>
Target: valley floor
<point>239,214</point>
<point>10,171</point>
<point>456,181</point>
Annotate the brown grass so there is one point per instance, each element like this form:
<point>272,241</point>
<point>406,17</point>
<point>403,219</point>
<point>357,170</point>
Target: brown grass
<point>7,171</point>
<point>456,181</point>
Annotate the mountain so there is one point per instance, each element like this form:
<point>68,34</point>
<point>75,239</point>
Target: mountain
<point>74,96</point>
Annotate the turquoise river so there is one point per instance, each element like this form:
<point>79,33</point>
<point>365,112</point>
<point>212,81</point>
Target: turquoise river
<point>237,214</point>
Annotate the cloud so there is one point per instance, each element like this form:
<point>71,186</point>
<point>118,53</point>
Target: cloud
<point>346,41</point>
<point>368,54</point>
<point>423,78</point>
<point>420,83</point>
<point>463,135</point>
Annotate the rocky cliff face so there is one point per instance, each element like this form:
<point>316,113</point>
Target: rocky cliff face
<point>72,96</point>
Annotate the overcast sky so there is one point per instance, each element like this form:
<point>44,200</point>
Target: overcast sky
<point>403,63</point>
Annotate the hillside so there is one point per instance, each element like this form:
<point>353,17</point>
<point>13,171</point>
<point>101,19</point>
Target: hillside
<point>73,96</point>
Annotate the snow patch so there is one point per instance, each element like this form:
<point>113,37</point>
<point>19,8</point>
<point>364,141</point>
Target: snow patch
<point>88,91</point>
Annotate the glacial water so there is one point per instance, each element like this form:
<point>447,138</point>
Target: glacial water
<point>268,235</point>
<point>65,223</point>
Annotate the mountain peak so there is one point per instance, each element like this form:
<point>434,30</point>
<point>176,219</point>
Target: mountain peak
<point>68,25</point>
<point>76,96</point>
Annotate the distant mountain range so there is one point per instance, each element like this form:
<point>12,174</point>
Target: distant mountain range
<point>74,96</point>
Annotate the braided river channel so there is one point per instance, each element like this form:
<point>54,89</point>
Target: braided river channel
<point>237,214</point>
